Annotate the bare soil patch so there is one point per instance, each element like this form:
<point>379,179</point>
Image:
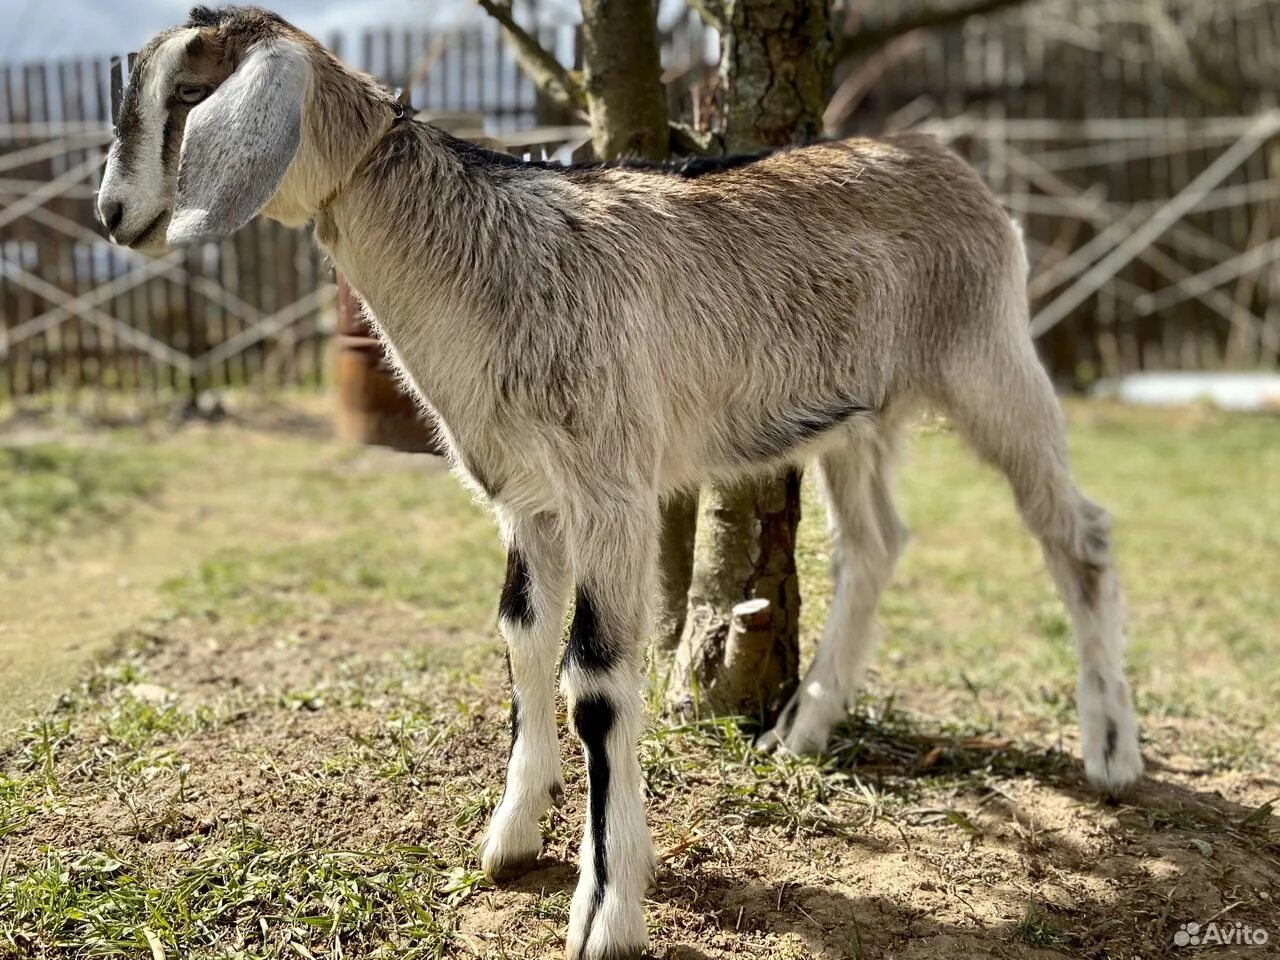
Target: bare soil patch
<point>362,734</point>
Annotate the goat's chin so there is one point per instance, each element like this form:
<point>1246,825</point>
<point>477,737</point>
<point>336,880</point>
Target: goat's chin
<point>152,239</point>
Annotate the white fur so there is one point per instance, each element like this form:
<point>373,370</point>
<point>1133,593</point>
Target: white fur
<point>617,927</point>
<point>534,781</point>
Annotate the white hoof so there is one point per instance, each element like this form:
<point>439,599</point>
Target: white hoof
<point>511,845</point>
<point>1113,762</point>
<point>804,726</point>
<point>606,928</point>
<point>1109,735</point>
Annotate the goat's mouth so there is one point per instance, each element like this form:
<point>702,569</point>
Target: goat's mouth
<point>150,237</point>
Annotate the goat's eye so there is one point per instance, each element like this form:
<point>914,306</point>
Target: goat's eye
<point>192,92</point>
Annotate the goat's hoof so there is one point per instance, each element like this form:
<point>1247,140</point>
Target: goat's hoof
<point>1109,737</point>
<point>1116,771</point>
<point>802,729</point>
<point>606,928</point>
<point>509,853</point>
<point>509,869</point>
<point>611,953</point>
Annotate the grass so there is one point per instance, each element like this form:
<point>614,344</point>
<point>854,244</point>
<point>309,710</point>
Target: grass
<point>296,755</point>
<point>249,897</point>
<point>361,567</point>
<point>51,490</point>
<point>1037,929</point>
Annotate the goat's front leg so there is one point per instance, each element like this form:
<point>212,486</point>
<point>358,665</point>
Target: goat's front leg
<point>613,558</point>
<point>531,617</point>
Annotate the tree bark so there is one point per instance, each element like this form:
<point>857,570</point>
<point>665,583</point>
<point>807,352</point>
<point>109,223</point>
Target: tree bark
<point>745,551</point>
<point>776,68</point>
<point>625,97</point>
<point>776,71</point>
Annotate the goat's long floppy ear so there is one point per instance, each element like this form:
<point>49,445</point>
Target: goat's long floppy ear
<point>238,144</point>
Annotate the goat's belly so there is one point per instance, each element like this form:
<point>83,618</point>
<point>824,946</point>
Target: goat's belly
<point>743,448</point>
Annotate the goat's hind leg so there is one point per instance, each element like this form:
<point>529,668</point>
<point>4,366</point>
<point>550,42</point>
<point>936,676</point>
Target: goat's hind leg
<point>867,538</point>
<point>531,617</point>
<point>1010,414</point>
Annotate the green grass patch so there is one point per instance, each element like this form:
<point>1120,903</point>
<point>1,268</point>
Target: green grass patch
<point>52,490</point>
<point>249,897</point>
<point>453,582</point>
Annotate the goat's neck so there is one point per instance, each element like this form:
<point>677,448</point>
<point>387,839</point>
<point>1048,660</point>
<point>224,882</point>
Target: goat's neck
<point>346,117</point>
<point>425,251</point>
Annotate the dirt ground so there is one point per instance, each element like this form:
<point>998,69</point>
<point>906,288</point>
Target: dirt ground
<point>310,778</point>
<point>63,612</point>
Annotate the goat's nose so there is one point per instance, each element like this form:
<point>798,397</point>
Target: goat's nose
<point>110,212</point>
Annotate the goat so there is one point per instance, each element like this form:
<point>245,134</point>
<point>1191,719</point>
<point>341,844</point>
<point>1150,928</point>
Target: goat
<point>592,339</point>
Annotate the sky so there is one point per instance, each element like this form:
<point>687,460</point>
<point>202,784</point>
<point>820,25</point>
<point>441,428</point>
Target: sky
<point>53,29</point>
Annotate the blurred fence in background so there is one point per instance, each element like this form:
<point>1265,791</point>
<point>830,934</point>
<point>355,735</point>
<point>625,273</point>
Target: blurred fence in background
<point>1133,139</point>
<point>1136,142</point>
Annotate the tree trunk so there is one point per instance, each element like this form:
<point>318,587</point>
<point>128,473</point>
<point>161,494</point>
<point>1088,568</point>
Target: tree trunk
<point>625,97</point>
<point>675,564</point>
<point>775,69</point>
<point>745,551</point>
<point>628,107</point>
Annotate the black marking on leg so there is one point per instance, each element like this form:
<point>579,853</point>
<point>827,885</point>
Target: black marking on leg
<point>588,649</point>
<point>777,437</point>
<point>593,718</point>
<point>1113,735</point>
<point>516,603</point>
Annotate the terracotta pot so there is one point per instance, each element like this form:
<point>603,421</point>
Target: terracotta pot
<point>372,408</point>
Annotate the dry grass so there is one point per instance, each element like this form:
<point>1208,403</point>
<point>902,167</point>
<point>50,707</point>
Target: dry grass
<point>297,755</point>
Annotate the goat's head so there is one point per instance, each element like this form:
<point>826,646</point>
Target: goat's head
<point>208,129</point>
